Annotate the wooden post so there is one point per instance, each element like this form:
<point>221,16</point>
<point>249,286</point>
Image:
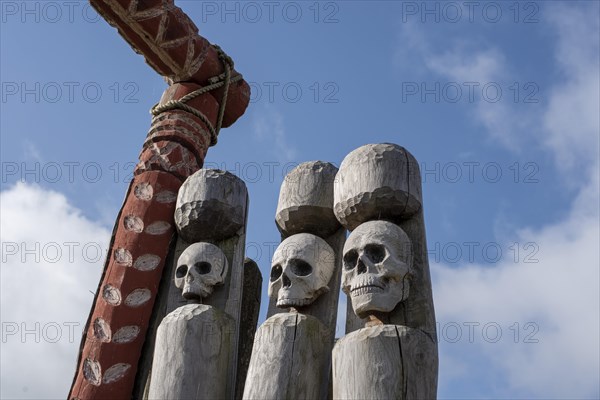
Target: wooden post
<point>384,362</point>
<point>206,194</point>
<point>305,192</point>
<point>174,149</point>
<point>289,354</point>
<point>251,296</point>
<point>192,354</point>
<point>291,357</point>
<point>386,275</point>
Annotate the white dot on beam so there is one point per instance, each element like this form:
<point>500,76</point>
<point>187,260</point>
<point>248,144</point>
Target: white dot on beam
<point>147,262</point>
<point>111,295</point>
<point>92,371</point>
<point>158,228</point>
<point>123,256</point>
<point>133,223</point>
<point>102,330</point>
<point>138,297</point>
<point>143,191</point>
<point>126,334</point>
<point>115,373</point>
<point>166,197</point>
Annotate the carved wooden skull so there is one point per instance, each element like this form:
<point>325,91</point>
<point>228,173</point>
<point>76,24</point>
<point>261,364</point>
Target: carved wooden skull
<point>301,269</point>
<point>377,265</point>
<point>200,267</point>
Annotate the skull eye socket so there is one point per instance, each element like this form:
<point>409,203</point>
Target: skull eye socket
<point>203,268</point>
<point>375,252</point>
<point>276,272</point>
<point>350,259</point>
<point>181,271</point>
<point>300,268</point>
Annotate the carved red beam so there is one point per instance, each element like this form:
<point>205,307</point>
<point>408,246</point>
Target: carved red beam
<point>174,149</point>
<point>169,41</point>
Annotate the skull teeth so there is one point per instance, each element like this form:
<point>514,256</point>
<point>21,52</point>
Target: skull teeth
<point>196,292</point>
<point>367,283</point>
<point>287,302</point>
<point>366,290</point>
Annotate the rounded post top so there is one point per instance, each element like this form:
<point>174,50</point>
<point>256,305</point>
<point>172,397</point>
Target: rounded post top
<point>377,181</point>
<point>306,200</point>
<point>211,205</point>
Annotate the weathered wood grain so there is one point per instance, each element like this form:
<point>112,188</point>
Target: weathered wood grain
<point>192,353</point>
<point>301,270</point>
<point>315,181</point>
<point>417,311</point>
<point>305,192</point>
<point>382,182</point>
<point>324,309</point>
<point>377,267</point>
<point>226,297</point>
<point>287,360</point>
<point>385,362</point>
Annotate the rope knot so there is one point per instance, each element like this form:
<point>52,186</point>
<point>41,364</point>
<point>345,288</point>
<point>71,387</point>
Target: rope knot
<point>215,82</point>
<point>225,59</point>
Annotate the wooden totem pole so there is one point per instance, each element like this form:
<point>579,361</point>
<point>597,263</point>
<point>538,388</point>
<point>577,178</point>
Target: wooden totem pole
<point>205,94</point>
<point>390,347</point>
<point>196,347</point>
<point>291,357</point>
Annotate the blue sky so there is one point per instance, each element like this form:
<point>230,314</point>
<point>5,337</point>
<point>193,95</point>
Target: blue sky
<point>498,103</point>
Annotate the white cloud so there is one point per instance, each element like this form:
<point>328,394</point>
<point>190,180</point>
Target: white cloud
<point>483,75</point>
<point>560,293</point>
<point>32,152</point>
<point>52,258</point>
<point>269,127</point>
<point>571,120</point>
<point>568,126</point>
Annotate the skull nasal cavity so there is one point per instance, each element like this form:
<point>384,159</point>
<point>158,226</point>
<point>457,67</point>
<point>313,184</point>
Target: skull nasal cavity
<point>286,281</point>
<point>361,267</point>
<point>203,268</point>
